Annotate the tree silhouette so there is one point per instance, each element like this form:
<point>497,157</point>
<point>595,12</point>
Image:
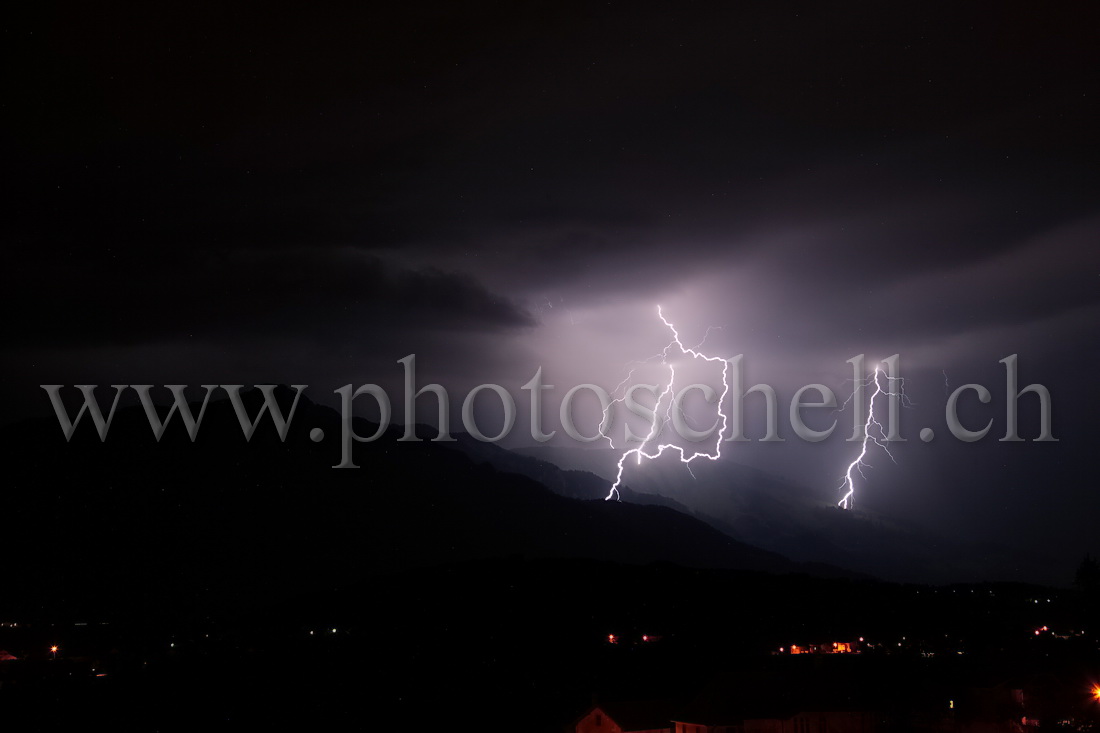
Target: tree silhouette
<point>1088,576</point>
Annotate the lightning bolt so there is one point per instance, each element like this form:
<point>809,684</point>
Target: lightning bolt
<point>658,423</point>
<point>878,438</point>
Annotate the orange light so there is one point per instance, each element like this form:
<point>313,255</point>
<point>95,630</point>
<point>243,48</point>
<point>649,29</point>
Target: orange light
<point>1096,692</point>
<point>611,638</point>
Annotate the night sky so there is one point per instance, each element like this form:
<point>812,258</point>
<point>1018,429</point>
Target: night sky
<point>306,195</point>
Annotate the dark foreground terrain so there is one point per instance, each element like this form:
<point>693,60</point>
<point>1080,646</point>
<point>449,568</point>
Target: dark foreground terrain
<point>228,584</point>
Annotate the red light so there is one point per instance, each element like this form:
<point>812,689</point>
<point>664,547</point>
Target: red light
<point>645,638</point>
<point>611,639</point>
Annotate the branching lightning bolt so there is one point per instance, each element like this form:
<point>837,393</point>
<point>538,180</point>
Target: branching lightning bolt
<point>658,423</point>
<point>878,437</point>
<point>874,434</point>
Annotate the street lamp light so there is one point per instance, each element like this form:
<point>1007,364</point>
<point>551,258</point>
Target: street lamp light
<point>53,651</point>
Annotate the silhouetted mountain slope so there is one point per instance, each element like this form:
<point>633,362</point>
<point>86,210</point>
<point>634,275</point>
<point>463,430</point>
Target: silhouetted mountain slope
<point>175,527</point>
<point>768,512</point>
<point>576,484</point>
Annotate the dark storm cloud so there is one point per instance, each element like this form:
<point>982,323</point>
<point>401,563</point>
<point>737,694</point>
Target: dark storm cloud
<point>556,152</point>
<point>135,297</point>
